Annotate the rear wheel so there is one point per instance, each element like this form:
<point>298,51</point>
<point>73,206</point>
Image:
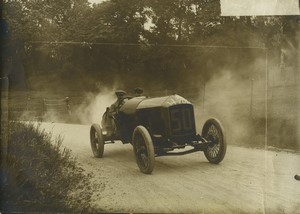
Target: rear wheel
<point>143,149</point>
<point>97,141</point>
<point>213,131</point>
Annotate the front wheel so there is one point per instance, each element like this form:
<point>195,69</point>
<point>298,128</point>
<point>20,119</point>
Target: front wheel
<point>143,149</point>
<point>97,141</point>
<point>213,131</point>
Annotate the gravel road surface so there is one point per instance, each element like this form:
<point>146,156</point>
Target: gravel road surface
<point>247,181</point>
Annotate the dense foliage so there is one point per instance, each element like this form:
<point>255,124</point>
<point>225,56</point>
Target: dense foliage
<point>40,175</point>
<point>145,39</point>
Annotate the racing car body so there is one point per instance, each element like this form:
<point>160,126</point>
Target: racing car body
<point>157,126</point>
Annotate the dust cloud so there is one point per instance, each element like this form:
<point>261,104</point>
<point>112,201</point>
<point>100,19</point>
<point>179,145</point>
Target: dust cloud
<point>94,105</point>
<point>230,99</point>
<point>247,108</point>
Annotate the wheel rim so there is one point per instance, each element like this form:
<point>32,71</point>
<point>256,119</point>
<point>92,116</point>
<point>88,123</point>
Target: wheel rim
<point>214,135</point>
<point>95,141</point>
<point>141,151</point>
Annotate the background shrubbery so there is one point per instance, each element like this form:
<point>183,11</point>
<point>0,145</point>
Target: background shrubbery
<point>40,175</point>
<point>72,45</point>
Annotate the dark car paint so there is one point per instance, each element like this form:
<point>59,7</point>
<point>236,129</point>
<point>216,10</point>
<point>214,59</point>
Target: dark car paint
<point>165,120</point>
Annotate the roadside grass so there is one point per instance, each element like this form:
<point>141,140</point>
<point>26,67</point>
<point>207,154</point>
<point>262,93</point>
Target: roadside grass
<point>39,175</point>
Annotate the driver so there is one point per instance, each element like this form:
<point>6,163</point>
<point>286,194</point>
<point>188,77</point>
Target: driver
<point>120,98</point>
<point>109,118</point>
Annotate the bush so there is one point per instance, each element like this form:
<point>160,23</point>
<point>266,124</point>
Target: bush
<point>40,175</point>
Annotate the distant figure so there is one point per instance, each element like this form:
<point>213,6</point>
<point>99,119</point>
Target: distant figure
<point>138,92</point>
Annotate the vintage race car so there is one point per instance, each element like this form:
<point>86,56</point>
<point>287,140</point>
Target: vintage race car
<point>156,127</point>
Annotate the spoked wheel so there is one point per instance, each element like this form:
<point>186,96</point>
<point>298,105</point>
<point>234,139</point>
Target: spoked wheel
<point>97,141</point>
<point>213,131</point>
<point>143,149</point>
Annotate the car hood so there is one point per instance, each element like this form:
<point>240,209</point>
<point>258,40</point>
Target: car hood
<point>136,103</point>
<point>166,101</point>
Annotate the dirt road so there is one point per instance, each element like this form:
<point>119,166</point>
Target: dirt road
<point>247,181</point>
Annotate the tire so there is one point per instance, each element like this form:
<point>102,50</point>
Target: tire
<point>97,141</point>
<point>213,131</point>
<point>143,149</point>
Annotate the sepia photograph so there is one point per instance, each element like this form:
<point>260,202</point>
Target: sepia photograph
<point>150,106</point>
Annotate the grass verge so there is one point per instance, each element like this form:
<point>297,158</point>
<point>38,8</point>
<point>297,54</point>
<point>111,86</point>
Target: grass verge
<point>39,175</point>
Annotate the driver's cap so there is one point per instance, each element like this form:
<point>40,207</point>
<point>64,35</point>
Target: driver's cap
<point>120,93</point>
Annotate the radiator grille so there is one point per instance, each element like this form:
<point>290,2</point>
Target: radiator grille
<point>182,120</point>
